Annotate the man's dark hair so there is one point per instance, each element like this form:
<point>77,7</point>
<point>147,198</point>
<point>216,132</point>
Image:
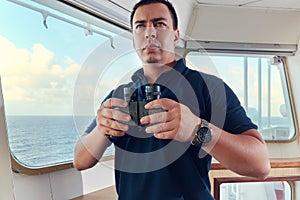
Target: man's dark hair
<point>165,2</point>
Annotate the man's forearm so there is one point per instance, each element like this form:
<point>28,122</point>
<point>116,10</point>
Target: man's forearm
<point>89,149</point>
<point>245,154</point>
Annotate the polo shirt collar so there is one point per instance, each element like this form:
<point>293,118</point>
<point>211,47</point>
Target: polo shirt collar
<point>139,76</point>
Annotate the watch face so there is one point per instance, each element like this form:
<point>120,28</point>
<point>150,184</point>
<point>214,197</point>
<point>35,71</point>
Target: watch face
<point>203,130</point>
<point>207,138</point>
<point>204,135</point>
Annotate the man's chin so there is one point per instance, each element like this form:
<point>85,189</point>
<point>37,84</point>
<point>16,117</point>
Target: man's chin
<point>152,60</point>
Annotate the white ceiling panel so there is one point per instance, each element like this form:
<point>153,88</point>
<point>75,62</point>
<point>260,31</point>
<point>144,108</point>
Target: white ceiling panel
<point>225,2</point>
<point>128,4</point>
<point>286,4</point>
<point>276,4</point>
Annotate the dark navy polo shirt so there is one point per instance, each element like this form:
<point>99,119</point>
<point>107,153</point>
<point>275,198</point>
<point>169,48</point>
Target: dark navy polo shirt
<point>147,168</point>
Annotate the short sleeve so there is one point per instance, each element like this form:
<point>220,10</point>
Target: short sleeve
<point>236,120</point>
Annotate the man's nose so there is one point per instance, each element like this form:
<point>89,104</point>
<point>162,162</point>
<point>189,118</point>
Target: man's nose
<point>150,32</point>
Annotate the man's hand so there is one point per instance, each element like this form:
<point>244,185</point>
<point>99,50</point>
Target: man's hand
<point>108,118</point>
<point>178,122</point>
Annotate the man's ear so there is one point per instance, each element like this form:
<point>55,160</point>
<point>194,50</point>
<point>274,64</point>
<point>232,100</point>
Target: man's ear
<point>177,37</point>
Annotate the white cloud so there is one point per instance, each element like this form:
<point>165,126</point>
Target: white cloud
<point>17,94</point>
<point>30,75</point>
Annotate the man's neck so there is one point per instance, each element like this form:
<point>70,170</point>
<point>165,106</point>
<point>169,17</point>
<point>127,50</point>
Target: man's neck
<point>153,70</point>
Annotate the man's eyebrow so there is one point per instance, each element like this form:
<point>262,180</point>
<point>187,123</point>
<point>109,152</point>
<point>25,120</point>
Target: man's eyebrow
<point>158,19</point>
<point>140,21</point>
<point>152,20</point>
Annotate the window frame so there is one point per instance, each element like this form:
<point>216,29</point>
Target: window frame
<point>292,102</point>
<point>220,180</point>
<point>81,13</point>
<point>232,49</point>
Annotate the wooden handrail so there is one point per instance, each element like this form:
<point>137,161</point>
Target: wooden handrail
<point>274,165</point>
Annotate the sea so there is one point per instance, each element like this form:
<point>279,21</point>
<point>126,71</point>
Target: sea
<point>38,141</point>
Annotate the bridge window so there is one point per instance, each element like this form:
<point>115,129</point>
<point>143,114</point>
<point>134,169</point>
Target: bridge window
<point>261,85</point>
<point>53,78</point>
<point>275,188</point>
<point>263,191</point>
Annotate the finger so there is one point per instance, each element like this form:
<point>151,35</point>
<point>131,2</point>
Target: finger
<point>112,102</point>
<point>163,103</point>
<point>114,114</point>
<point>112,124</point>
<point>166,135</point>
<point>156,118</point>
<point>161,127</point>
<point>111,132</point>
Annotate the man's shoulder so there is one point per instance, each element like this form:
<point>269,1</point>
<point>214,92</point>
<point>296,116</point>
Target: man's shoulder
<point>202,78</point>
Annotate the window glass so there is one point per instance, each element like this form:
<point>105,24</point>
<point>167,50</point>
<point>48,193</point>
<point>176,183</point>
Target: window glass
<point>260,84</point>
<point>256,190</point>
<point>40,65</point>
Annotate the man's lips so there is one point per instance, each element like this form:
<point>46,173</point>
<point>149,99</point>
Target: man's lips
<point>151,47</point>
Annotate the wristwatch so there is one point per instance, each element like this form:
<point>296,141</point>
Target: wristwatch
<point>203,135</point>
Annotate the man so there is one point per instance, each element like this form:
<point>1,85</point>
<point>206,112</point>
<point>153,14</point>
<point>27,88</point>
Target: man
<point>197,108</point>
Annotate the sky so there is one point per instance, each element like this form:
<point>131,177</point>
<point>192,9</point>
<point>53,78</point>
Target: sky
<point>51,71</point>
<point>39,66</point>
